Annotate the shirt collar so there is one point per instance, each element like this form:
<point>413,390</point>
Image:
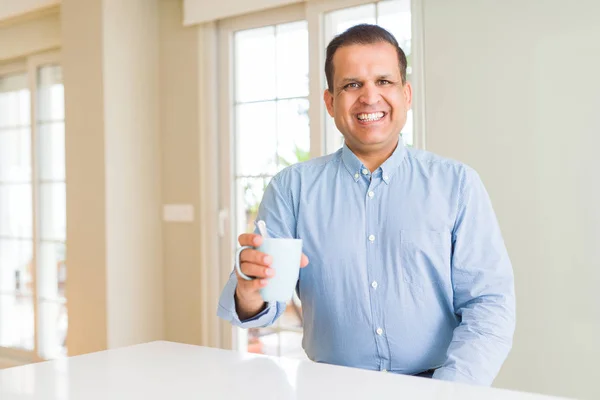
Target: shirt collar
<point>388,168</point>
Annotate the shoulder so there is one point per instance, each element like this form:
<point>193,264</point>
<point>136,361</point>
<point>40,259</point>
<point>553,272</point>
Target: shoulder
<point>428,161</point>
<point>294,174</point>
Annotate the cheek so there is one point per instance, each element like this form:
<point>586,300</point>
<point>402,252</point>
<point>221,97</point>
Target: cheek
<point>344,105</point>
<point>399,104</point>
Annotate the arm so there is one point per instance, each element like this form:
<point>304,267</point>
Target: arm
<point>276,212</point>
<point>483,286</point>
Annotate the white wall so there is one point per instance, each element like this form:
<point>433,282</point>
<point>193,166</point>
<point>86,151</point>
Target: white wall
<point>512,88</point>
<point>115,285</point>
<point>199,11</point>
<point>25,37</point>
<point>81,41</point>
<point>180,153</point>
<point>17,8</point>
<point>133,172</point>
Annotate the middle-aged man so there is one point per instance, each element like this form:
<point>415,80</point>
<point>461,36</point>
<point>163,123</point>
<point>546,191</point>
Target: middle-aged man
<point>408,270</point>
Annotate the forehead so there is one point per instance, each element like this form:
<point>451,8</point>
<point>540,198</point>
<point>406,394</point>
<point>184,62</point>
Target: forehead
<point>365,60</point>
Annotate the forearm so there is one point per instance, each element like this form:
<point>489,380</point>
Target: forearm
<point>227,309</point>
<point>482,341</point>
<point>248,308</point>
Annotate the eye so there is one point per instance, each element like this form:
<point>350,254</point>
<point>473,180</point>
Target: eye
<point>384,82</point>
<point>352,85</point>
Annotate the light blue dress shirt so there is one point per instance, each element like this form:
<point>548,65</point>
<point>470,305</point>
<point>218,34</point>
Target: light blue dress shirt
<point>408,269</point>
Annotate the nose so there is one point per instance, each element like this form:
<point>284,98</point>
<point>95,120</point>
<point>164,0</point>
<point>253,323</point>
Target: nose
<point>369,94</point>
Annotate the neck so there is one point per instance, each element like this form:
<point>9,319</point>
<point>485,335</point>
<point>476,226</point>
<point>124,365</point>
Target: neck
<point>373,159</point>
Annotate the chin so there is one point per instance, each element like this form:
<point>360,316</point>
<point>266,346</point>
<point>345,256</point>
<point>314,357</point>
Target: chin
<point>373,138</point>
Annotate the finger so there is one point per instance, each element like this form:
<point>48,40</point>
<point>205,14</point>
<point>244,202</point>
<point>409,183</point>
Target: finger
<point>303,261</point>
<point>251,286</point>
<point>250,239</point>
<point>257,271</point>
<point>255,257</point>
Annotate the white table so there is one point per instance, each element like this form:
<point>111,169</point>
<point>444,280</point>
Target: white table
<point>164,370</point>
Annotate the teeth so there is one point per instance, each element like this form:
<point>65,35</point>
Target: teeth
<point>370,117</point>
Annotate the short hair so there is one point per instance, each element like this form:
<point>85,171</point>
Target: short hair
<point>362,34</point>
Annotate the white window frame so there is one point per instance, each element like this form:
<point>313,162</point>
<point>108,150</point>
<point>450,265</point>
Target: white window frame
<point>30,66</point>
<point>313,12</point>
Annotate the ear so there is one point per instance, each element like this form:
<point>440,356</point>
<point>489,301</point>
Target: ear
<point>407,94</point>
<point>328,99</point>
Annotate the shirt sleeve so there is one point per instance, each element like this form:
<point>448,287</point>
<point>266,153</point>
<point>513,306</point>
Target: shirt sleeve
<point>278,215</point>
<point>228,312</point>
<point>484,297</point>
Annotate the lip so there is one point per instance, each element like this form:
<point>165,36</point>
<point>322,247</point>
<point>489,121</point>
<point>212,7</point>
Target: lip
<point>385,114</point>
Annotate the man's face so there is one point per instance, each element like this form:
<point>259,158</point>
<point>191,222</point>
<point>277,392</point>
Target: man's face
<point>369,103</point>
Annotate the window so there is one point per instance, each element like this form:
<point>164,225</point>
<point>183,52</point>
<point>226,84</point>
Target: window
<point>33,318</point>
<point>16,221</point>
<point>271,133</point>
<point>272,115</point>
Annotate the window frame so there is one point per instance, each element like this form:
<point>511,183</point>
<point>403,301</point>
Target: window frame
<point>30,66</point>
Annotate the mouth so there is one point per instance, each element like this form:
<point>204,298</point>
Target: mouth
<point>370,118</point>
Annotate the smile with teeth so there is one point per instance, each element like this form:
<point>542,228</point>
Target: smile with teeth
<point>376,116</point>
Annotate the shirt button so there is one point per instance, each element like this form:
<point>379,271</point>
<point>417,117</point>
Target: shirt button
<point>379,331</point>
<point>374,285</point>
<point>371,238</point>
<point>385,177</point>
<point>365,171</point>
<point>371,194</point>
<point>356,176</point>
<point>384,370</point>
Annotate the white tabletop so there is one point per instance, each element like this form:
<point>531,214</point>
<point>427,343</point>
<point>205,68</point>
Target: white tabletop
<point>164,370</point>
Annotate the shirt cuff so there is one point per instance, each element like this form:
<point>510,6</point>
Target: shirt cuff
<point>228,312</point>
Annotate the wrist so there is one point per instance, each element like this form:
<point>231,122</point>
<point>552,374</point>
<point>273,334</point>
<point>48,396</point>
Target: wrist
<point>248,307</point>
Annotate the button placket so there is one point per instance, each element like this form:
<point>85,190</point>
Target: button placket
<point>371,211</point>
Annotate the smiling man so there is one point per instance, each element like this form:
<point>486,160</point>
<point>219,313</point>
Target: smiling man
<point>408,270</point>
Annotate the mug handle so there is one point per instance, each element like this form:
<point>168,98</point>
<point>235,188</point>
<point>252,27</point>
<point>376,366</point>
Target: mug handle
<point>237,263</point>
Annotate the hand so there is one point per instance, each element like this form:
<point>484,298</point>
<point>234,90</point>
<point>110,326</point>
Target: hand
<point>257,265</point>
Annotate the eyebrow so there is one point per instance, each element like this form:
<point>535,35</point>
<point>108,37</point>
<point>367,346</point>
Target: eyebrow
<point>352,79</point>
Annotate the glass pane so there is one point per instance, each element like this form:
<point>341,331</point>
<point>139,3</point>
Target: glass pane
<point>14,100</point>
<point>51,151</point>
<point>293,133</point>
<point>6,108</point>
<point>16,210</point>
<point>24,108</point>
<point>407,131</point>
<point>51,104</point>
<point>338,21</point>
<point>16,266</point>
<point>249,193</point>
<point>16,321</point>
<point>292,60</point>
<point>396,18</point>
<point>53,211</point>
<point>15,155</point>
<point>52,271</point>
<point>256,143</point>
<point>53,324</point>
<point>255,64</point>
